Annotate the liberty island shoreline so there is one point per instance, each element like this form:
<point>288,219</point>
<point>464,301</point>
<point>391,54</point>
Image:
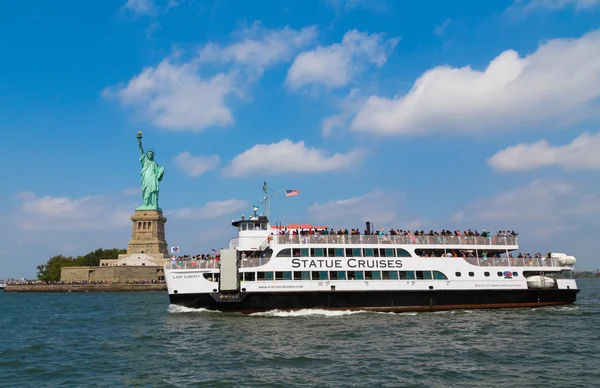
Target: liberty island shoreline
<point>151,287</point>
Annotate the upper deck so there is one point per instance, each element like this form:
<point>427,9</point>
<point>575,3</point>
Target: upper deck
<point>499,241</point>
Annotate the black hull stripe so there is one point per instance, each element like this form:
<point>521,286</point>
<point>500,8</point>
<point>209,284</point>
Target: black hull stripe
<point>381,301</point>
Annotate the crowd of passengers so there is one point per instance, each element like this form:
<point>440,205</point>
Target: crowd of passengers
<point>398,232</point>
<point>195,257</point>
<point>79,282</point>
<point>469,253</point>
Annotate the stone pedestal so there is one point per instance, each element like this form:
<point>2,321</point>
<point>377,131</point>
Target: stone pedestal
<point>148,234</point>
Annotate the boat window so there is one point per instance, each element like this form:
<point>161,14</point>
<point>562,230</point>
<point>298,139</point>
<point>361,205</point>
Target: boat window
<point>285,253</point>
<point>385,275</point>
<point>376,252</point>
<point>339,252</point>
<point>458,274</point>
<point>301,275</point>
<point>323,275</point>
<point>278,275</point>
<point>257,226</point>
<point>368,252</point>
<point>348,252</point>
<point>287,275</point>
<point>410,275</point>
<point>486,273</point>
<point>368,275</point>
<point>316,252</point>
<point>331,252</point>
<point>376,275</point>
<point>216,277</point>
<point>249,276</point>
<point>241,276</point>
<point>262,276</point>
<point>351,275</point>
<point>386,252</point>
<point>359,275</point>
<point>471,274</point>
<point>208,276</point>
<point>402,253</point>
<point>393,275</point>
<point>424,275</point>
<point>341,275</point>
<point>263,226</point>
<point>515,274</point>
<point>243,226</point>
<point>356,252</point>
<point>333,275</point>
<point>303,252</point>
<point>296,252</point>
<point>439,276</point>
<point>500,273</point>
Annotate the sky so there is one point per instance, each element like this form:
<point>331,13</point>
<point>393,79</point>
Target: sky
<point>410,114</point>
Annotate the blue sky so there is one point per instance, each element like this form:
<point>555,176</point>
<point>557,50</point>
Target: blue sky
<point>428,115</point>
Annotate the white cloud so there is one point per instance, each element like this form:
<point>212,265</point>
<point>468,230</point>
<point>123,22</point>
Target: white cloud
<point>194,166</point>
<point>259,48</point>
<point>174,95</point>
<point>545,207</point>
<point>93,212</point>
<point>555,4</point>
<point>289,157</point>
<point>212,209</point>
<point>583,153</point>
<point>336,65</point>
<point>559,84</point>
<point>140,7</point>
<point>439,30</point>
<point>380,207</point>
<point>348,108</point>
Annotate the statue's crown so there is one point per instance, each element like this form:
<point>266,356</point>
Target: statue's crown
<point>150,150</point>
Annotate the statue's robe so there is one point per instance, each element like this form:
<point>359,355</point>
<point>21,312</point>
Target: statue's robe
<point>151,174</point>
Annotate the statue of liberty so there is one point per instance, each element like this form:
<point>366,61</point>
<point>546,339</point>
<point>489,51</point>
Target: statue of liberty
<point>151,174</point>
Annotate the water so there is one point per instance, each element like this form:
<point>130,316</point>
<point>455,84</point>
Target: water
<point>136,339</point>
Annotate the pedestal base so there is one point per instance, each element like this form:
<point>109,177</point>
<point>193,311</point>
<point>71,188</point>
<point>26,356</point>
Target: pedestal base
<point>148,233</point>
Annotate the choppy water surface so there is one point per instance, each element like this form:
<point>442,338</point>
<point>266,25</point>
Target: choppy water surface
<point>136,339</point>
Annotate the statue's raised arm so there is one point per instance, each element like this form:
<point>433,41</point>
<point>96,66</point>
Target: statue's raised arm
<point>139,138</point>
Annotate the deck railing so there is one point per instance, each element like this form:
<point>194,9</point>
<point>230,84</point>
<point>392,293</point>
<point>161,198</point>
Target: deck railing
<point>512,262</point>
<point>214,264</point>
<point>393,239</point>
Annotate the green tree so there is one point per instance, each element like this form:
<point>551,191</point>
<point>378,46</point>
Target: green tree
<point>51,270</point>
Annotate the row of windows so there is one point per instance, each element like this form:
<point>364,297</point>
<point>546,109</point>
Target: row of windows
<point>334,275</point>
<point>343,252</point>
<point>487,274</point>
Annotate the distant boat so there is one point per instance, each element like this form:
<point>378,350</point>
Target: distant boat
<point>2,285</point>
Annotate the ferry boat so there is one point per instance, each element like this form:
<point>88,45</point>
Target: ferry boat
<point>263,269</point>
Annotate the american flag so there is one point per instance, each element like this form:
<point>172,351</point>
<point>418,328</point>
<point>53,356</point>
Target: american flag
<point>291,193</point>
<point>215,252</point>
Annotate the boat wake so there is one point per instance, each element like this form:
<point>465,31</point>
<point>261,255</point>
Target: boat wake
<point>177,309</point>
<point>318,313</point>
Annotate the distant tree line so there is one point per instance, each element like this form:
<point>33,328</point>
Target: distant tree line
<point>51,270</point>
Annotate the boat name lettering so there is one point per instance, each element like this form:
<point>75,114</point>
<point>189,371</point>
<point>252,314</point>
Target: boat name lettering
<point>351,263</point>
<point>186,276</point>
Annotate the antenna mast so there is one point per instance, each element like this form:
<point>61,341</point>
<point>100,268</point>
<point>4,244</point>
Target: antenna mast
<point>266,198</point>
